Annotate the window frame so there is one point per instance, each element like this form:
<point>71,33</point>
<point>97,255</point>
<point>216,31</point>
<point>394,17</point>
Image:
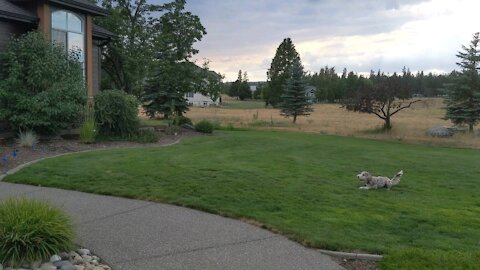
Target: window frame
<point>67,32</point>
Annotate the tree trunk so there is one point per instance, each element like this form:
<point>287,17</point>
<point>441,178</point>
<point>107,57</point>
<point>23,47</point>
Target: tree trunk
<point>388,124</point>
<point>294,118</point>
<point>470,128</point>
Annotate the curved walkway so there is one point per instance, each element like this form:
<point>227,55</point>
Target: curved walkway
<point>132,234</point>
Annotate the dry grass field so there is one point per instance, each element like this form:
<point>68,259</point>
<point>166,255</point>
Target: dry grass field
<point>409,125</point>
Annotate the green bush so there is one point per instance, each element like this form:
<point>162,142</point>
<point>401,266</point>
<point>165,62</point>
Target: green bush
<point>88,129</point>
<point>204,126</point>
<point>145,136</point>
<point>180,120</point>
<point>31,231</point>
<point>116,113</point>
<point>41,87</point>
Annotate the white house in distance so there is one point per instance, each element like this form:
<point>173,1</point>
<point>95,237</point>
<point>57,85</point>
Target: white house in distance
<point>199,100</point>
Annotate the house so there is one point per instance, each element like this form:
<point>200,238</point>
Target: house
<point>67,22</point>
<point>199,100</point>
<point>310,93</point>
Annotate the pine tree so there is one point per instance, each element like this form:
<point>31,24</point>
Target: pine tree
<point>284,58</point>
<point>463,100</point>
<point>294,101</point>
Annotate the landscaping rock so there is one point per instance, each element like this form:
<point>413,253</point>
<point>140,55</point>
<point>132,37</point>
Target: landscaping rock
<point>64,265</point>
<point>1,266</point>
<point>87,258</point>
<point>55,258</point>
<point>77,259</point>
<point>64,256</point>
<point>84,251</point>
<point>439,131</point>
<point>188,126</point>
<point>79,267</point>
<point>48,266</point>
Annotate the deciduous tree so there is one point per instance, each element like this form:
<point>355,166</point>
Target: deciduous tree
<point>383,96</point>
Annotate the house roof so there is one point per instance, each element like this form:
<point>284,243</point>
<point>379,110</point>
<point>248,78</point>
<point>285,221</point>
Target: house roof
<point>14,12</point>
<point>83,5</point>
<point>102,33</point>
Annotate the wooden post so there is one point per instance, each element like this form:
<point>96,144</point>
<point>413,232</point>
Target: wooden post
<point>45,18</point>
<point>89,55</point>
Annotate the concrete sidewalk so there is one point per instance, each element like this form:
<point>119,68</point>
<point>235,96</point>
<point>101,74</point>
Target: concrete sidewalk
<point>139,235</point>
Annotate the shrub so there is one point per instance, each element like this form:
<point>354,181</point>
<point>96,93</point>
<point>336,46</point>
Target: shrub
<point>27,138</point>
<point>204,126</point>
<point>88,129</point>
<point>31,231</point>
<point>180,120</point>
<point>116,113</point>
<point>145,136</point>
<point>41,87</point>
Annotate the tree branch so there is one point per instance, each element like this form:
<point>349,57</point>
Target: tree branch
<point>405,107</point>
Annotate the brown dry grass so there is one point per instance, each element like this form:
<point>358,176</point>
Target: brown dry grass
<point>409,125</point>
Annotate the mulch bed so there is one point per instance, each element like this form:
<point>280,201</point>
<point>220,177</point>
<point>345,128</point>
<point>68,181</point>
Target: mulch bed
<point>356,264</point>
<point>68,144</point>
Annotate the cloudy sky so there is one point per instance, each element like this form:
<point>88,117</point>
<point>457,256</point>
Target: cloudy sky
<point>360,35</point>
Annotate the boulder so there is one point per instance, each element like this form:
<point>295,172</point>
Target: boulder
<point>188,126</point>
<point>64,265</point>
<point>439,131</point>
<point>55,258</point>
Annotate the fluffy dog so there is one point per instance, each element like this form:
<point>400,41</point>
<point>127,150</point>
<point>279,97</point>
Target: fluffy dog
<point>374,182</point>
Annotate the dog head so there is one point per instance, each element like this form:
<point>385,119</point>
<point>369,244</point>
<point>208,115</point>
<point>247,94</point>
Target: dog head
<point>364,176</point>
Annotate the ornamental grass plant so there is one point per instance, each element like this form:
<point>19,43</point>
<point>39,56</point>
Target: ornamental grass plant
<point>31,231</point>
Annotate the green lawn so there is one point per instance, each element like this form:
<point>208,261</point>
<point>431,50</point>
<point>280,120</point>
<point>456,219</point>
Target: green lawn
<point>301,185</point>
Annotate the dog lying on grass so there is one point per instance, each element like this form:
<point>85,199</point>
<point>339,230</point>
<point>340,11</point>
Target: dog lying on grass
<point>375,182</point>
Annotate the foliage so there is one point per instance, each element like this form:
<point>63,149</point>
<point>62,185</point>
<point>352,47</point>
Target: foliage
<point>88,129</point>
<point>278,73</point>
<point>302,185</point>
<point>41,88</point>
<point>174,75</point>
<point>116,113</point>
<point>204,126</point>
<point>172,130</point>
<point>463,100</point>
<point>31,231</point>
<point>145,136</point>
<point>165,91</point>
<point>180,120</point>
<point>294,101</point>
<point>383,96</point>
<point>240,87</point>
<point>27,138</point>
<point>127,59</point>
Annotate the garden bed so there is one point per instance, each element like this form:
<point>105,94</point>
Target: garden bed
<point>12,156</point>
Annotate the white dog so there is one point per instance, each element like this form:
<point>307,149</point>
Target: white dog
<point>378,181</point>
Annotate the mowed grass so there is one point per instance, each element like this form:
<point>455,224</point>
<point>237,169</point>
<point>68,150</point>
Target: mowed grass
<point>301,185</point>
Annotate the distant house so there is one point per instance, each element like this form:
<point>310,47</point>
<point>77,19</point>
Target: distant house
<point>199,100</point>
<point>310,93</point>
<point>66,22</point>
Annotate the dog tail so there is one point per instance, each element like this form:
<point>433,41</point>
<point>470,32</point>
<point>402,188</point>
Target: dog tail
<point>396,178</point>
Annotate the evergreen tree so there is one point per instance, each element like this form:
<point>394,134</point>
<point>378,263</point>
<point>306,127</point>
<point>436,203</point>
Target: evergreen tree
<point>294,102</point>
<point>284,58</point>
<point>463,100</point>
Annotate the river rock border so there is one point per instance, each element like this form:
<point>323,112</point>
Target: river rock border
<point>81,259</point>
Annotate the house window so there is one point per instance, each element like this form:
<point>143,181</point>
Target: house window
<point>190,95</point>
<point>68,30</point>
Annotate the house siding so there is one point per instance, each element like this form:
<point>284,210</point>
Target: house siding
<point>9,29</point>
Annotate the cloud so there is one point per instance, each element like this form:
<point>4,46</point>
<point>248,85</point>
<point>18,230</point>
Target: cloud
<point>358,34</point>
